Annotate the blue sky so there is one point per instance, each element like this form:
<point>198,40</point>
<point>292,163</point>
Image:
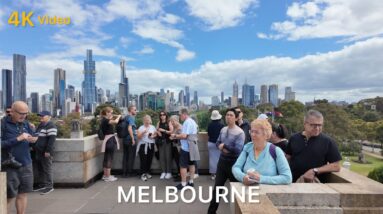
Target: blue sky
<point>322,48</point>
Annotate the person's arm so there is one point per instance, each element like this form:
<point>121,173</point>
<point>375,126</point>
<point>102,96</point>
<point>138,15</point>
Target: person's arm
<point>141,132</point>
<point>8,143</point>
<point>171,128</point>
<point>115,121</point>
<point>237,145</point>
<point>284,175</point>
<point>51,135</point>
<point>238,166</point>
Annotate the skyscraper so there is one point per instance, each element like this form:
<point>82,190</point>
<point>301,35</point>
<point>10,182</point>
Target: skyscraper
<point>89,83</point>
<point>35,102</point>
<point>59,91</point>
<point>222,97</point>
<point>123,86</point>
<point>234,98</point>
<point>187,96</point>
<point>273,95</point>
<point>181,98</point>
<point>247,95</point>
<point>19,78</point>
<point>46,102</point>
<point>264,96</point>
<point>289,94</point>
<point>195,98</point>
<point>7,87</point>
<point>70,92</point>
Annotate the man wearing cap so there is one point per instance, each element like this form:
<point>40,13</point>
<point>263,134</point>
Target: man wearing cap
<point>47,132</point>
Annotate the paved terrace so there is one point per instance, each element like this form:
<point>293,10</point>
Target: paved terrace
<point>101,197</point>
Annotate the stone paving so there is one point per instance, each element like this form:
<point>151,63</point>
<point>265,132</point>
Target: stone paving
<point>101,197</point>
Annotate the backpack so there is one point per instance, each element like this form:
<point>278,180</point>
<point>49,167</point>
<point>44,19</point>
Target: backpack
<point>122,127</point>
<point>100,133</point>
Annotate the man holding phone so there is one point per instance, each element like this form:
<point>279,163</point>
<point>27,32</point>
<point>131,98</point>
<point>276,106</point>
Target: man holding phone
<point>16,137</point>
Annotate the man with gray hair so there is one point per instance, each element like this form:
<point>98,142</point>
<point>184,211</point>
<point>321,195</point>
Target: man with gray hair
<point>312,153</point>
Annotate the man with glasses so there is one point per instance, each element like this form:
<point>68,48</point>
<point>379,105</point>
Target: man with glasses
<point>312,153</point>
<point>243,124</point>
<point>16,136</point>
<point>47,132</point>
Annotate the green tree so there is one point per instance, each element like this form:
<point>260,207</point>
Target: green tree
<point>371,116</point>
<point>293,113</point>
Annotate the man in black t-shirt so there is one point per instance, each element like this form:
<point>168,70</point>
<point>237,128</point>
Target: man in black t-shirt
<point>312,153</point>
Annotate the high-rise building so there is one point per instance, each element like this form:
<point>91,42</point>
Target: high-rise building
<point>222,97</point>
<point>19,78</point>
<point>89,83</point>
<point>214,101</point>
<point>46,102</point>
<point>289,94</point>
<point>264,95</point>
<point>7,87</point>
<point>195,98</point>
<point>35,102</point>
<point>248,95</point>
<point>181,98</point>
<point>235,89</point>
<point>123,86</point>
<point>187,96</point>
<point>59,91</point>
<point>100,95</point>
<point>107,94</point>
<point>70,92</point>
<point>1,100</point>
<point>273,95</point>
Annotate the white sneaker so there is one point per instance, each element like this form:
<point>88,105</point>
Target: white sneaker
<point>110,178</point>
<point>168,176</point>
<point>143,177</point>
<point>104,177</point>
<point>213,177</point>
<point>196,176</point>
<point>149,175</point>
<point>163,175</point>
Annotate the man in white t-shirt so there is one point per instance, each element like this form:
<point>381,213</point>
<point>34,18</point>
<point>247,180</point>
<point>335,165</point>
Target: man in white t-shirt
<point>189,127</point>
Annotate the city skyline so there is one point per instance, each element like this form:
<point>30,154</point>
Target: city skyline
<point>201,44</point>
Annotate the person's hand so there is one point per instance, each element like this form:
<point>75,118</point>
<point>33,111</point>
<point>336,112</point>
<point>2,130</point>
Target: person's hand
<point>220,147</point>
<point>32,126</point>
<point>23,136</point>
<point>47,154</point>
<point>309,176</point>
<point>133,142</point>
<point>248,181</point>
<point>161,130</point>
<point>31,139</point>
<point>254,175</point>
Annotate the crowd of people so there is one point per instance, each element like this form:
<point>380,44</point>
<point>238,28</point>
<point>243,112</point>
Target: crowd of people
<point>256,152</point>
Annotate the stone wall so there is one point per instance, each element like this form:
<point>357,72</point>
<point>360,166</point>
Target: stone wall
<point>77,162</point>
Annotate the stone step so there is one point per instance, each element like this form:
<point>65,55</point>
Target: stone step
<point>309,210</point>
<point>362,210</point>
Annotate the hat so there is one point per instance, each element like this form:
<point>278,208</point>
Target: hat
<point>262,116</point>
<point>44,113</point>
<point>215,115</point>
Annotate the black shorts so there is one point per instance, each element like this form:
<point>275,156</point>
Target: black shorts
<point>185,159</point>
<point>19,180</point>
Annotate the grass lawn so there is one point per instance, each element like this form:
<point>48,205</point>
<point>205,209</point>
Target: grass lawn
<point>363,169</point>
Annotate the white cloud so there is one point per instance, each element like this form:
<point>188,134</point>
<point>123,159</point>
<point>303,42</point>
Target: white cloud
<point>134,10</point>
<point>146,50</point>
<point>171,19</point>
<point>183,55</point>
<point>351,19</point>
<point>352,73</point>
<point>125,41</point>
<point>218,14</point>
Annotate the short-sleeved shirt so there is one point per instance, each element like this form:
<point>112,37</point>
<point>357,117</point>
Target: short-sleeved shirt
<point>106,127</point>
<point>145,138</point>
<point>311,153</point>
<point>132,122</point>
<point>188,127</point>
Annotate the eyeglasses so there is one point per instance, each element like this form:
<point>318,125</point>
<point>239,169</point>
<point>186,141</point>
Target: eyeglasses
<point>255,131</point>
<point>22,113</point>
<point>313,125</point>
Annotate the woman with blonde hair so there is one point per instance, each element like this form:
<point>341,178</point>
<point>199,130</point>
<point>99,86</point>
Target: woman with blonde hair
<point>176,146</point>
<point>261,161</point>
<point>145,148</point>
<point>110,142</point>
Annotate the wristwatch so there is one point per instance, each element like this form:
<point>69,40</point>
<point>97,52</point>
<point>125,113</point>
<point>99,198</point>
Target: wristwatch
<point>316,171</point>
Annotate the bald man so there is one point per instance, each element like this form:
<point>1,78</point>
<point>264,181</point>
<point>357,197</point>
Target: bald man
<point>16,136</point>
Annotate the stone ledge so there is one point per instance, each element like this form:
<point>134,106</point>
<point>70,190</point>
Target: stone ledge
<point>309,210</point>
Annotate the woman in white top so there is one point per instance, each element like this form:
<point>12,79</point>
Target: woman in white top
<point>146,134</point>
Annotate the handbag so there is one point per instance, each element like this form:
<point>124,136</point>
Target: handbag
<point>10,162</point>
